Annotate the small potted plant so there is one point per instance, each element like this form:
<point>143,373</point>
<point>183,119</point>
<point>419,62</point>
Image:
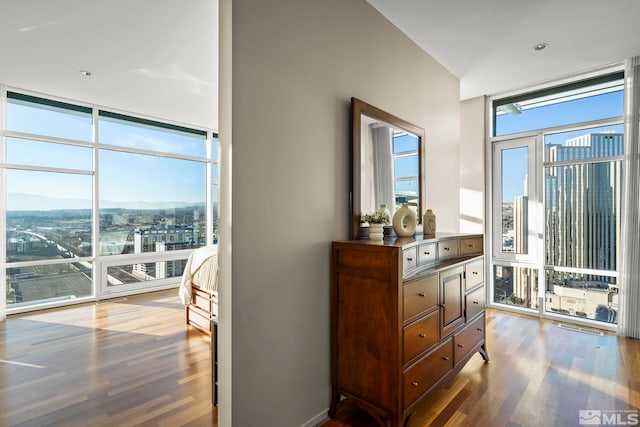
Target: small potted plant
<point>376,221</point>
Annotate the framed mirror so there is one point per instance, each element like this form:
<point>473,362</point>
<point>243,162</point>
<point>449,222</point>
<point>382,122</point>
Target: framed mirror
<point>387,156</point>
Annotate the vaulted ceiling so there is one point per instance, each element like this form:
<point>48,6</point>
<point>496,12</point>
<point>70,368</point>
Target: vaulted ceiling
<point>489,44</point>
<point>159,56</point>
<point>153,56</point>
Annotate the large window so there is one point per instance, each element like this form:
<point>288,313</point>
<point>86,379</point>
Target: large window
<point>98,202</point>
<point>557,189</point>
<point>406,169</point>
<point>579,102</point>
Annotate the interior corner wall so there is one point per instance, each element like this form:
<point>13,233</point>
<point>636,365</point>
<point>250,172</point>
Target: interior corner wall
<point>472,177</point>
<point>296,64</point>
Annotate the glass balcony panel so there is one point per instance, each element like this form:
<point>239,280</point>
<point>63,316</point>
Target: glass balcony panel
<point>46,283</point>
<point>586,296</point>
<point>406,192</point>
<point>517,286</point>
<point>125,274</point>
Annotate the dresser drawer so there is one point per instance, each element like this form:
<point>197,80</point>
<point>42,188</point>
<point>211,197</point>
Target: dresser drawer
<point>465,340</point>
<point>426,254</point>
<point>424,374</point>
<point>419,336</point>
<point>409,259</point>
<point>470,246</point>
<point>475,302</point>
<point>474,273</point>
<point>448,249</point>
<point>419,296</point>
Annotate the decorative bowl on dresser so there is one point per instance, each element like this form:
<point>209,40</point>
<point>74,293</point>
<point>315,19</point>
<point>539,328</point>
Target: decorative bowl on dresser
<point>406,315</point>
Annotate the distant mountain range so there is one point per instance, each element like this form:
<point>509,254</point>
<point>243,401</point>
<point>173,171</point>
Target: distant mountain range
<point>31,202</point>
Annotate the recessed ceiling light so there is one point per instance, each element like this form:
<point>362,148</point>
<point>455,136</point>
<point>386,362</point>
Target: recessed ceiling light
<point>540,46</point>
<point>85,73</point>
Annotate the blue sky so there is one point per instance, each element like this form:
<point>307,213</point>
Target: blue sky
<point>122,176</point>
<point>581,110</point>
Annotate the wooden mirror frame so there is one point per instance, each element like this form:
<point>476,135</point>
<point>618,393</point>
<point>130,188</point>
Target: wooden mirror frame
<point>359,108</point>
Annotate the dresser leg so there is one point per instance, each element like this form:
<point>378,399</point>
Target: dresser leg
<point>406,420</point>
<point>333,407</point>
<point>483,352</point>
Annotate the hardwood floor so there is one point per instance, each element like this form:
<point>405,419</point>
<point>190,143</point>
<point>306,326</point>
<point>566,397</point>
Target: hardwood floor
<point>133,362</point>
<point>122,363</point>
<point>539,375</point>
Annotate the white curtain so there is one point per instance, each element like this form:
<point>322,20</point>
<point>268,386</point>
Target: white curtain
<point>629,315</point>
<point>383,191</point>
<point>3,240</point>
<point>3,228</point>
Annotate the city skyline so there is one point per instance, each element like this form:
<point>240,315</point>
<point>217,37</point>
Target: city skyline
<point>582,226</point>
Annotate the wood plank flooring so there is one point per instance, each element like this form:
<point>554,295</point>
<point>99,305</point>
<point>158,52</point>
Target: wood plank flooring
<point>134,362</point>
<point>122,363</point>
<point>539,375</point>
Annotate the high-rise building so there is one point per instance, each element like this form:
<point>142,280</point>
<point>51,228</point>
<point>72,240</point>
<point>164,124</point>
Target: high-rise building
<point>583,202</point>
<point>524,288</point>
<point>583,191</point>
<point>159,239</point>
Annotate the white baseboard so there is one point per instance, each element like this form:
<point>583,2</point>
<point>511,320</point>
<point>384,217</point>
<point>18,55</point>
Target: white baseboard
<point>317,420</point>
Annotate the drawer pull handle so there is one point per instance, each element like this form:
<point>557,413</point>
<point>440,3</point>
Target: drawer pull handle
<point>409,258</point>
<point>461,345</point>
<point>446,249</point>
<point>478,329</point>
<point>422,335</point>
<point>414,384</point>
<point>421,294</point>
<point>476,302</point>
<point>427,253</point>
<point>446,358</point>
<point>474,272</point>
<point>470,245</point>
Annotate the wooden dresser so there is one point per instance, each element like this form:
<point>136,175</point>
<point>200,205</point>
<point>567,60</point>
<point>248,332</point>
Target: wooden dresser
<point>406,315</point>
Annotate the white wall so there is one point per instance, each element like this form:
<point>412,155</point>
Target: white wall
<point>472,179</point>
<point>296,64</point>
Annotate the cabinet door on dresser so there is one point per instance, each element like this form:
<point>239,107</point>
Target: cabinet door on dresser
<point>451,300</point>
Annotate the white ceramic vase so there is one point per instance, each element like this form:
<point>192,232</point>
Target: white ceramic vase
<point>383,209</point>
<point>376,232</point>
<point>429,223</point>
<point>405,221</point>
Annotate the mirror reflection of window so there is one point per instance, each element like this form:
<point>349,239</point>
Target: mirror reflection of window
<point>406,170</point>
<point>390,167</point>
<point>387,164</point>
